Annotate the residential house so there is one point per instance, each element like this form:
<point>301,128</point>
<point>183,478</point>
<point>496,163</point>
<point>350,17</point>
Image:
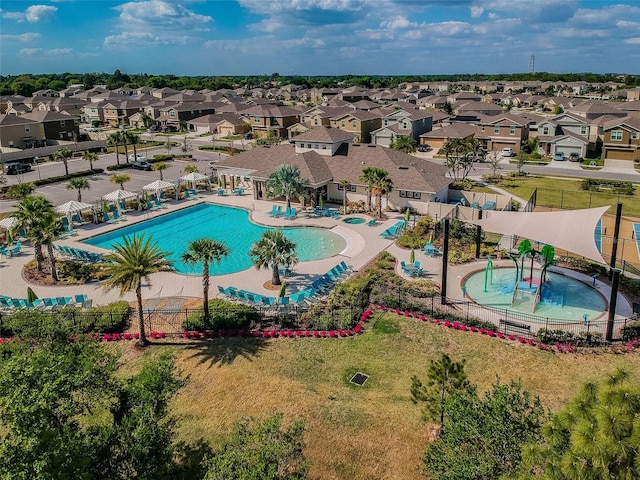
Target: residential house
<point>270,118</point>
<point>503,131</point>
<point>18,132</point>
<point>321,115</point>
<point>117,113</point>
<point>631,108</point>
<point>332,158</point>
<point>621,139</point>
<point>183,112</point>
<point>218,123</point>
<point>162,93</point>
<point>57,126</point>
<point>436,139</point>
<point>412,123</point>
<point>484,108</point>
<point>594,109</point>
<point>360,123</point>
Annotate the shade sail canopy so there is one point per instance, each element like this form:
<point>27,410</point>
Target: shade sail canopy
<point>119,195</point>
<point>194,177</point>
<point>571,230</point>
<point>158,185</point>
<point>8,222</point>
<point>72,207</point>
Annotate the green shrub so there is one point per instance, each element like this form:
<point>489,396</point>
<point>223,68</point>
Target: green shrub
<point>225,315</point>
<point>319,317</point>
<point>631,330</point>
<point>616,186</point>
<point>63,178</point>
<point>74,271</point>
<point>582,339</point>
<point>457,257</point>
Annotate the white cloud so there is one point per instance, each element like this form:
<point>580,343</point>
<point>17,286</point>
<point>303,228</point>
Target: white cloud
<point>476,11</point>
<point>19,16</point>
<point>21,37</point>
<point>143,38</point>
<point>29,52</point>
<point>398,23</point>
<point>273,7</point>
<point>35,13</point>
<point>633,41</point>
<point>160,13</point>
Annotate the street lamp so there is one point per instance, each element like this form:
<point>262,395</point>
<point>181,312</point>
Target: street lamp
<point>38,166</point>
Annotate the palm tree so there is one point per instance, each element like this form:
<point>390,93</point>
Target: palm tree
<point>90,157</point>
<point>378,182</point>
<point>48,228</point>
<point>160,167</point>
<point>120,179</point>
<point>146,120</point>
<point>134,260</point>
<point>114,140</point>
<point>345,184</point>
<point>191,169</point>
<point>285,182</point>
<point>133,139</point>
<point>367,178</point>
<point>205,251</point>
<point>78,184</point>
<point>273,250</point>
<point>30,211</point>
<point>404,143</point>
<point>63,155</point>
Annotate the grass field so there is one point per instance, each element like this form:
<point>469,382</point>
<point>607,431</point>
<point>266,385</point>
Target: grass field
<point>369,432</point>
<point>567,194</point>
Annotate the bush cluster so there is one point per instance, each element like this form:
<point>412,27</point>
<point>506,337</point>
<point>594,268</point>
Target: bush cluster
<point>225,315</point>
<point>63,178</point>
<point>582,339</point>
<point>616,186</point>
<point>631,330</point>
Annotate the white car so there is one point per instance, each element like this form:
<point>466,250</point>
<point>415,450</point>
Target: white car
<point>90,129</point>
<point>137,158</point>
<point>507,152</point>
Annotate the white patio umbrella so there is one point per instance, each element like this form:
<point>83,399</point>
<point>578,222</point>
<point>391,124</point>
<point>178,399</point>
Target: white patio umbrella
<point>72,207</point>
<point>158,186</point>
<point>118,196</point>
<point>195,177</point>
<point>8,222</point>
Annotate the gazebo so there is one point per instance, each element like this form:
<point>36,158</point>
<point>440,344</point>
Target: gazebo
<point>194,178</point>
<point>72,207</point>
<point>159,186</point>
<point>118,196</point>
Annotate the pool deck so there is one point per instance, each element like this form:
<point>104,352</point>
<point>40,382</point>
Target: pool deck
<point>363,245</point>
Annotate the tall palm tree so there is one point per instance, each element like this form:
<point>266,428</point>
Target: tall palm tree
<point>90,157</point>
<point>28,214</point>
<point>345,184</point>
<point>382,185</point>
<point>191,169</point>
<point>273,250</point>
<point>205,251</point>
<point>120,179</point>
<point>404,143</point>
<point>368,178</point>
<point>285,182</point>
<point>160,167</point>
<point>134,260</point>
<point>133,139</point>
<point>78,184</point>
<point>114,140</point>
<point>48,228</point>
<point>63,155</point>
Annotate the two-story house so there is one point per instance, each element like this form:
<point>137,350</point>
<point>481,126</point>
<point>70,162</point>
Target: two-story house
<point>564,133</point>
<point>183,112</point>
<point>57,126</point>
<point>18,132</point>
<point>621,139</point>
<point>270,118</point>
<point>503,131</point>
<point>411,123</point>
<point>117,113</point>
<point>360,123</point>
<point>436,139</point>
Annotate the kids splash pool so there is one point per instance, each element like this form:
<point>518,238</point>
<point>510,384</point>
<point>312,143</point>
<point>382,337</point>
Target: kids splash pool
<point>174,231</point>
<point>561,297</point>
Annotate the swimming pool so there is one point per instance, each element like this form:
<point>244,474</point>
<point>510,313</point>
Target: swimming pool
<point>174,231</point>
<point>563,298</point>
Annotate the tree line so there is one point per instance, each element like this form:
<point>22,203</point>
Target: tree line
<point>26,84</point>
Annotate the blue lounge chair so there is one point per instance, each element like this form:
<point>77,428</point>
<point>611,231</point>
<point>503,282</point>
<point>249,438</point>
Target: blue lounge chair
<point>372,223</point>
<point>67,228</point>
<point>326,212</point>
<point>77,220</point>
<point>238,191</point>
<point>117,216</point>
<point>107,218</point>
<point>150,206</point>
<point>275,210</point>
<point>80,299</point>
<point>268,301</point>
<point>283,300</point>
<point>335,214</point>
<point>16,250</point>
<point>5,252</point>
<point>290,214</point>
<point>158,203</point>
<point>222,192</point>
<point>196,194</point>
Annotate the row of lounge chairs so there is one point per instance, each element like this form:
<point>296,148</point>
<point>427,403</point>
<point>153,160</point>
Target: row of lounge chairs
<point>394,230</point>
<point>9,303</point>
<point>11,251</point>
<point>309,294</point>
<point>276,211</point>
<point>78,254</point>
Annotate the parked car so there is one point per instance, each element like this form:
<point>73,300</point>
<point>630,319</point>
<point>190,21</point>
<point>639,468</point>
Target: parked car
<point>141,165</point>
<point>574,157</point>
<point>248,136</point>
<point>152,129</point>
<point>424,148</point>
<point>90,129</point>
<point>16,168</point>
<point>558,156</point>
<point>507,152</point>
<point>137,158</point>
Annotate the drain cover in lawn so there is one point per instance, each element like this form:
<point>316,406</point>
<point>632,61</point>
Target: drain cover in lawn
<point>359,378</point>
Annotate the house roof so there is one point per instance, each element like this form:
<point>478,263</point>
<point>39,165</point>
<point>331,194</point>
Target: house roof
<point>455,130</point>
<point>8,120</point>
<point>406,172</point>
<point>325,135</point>
<point>46,116</point>
<point>631,122</point>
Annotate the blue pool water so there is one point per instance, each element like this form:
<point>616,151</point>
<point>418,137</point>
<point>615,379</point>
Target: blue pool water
<point>174,231</point>
<point>563,297</point>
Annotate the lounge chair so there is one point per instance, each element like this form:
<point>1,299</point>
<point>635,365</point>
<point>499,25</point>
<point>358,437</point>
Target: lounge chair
<point>291,214</point>
<point>67,228</point>
<point>117,216</point>
<point>283,300</point>
<point>196,194</point>
<point>77,220</point>
<point>150,206</point>
<point>158,203</point>
<point>16,250</point>
<point>80,299</point>
<point>238,191</point>
<point>268,301</point>
<point>372,223</point>
<point>107,218</point>
<point>4,252</point>
<point>335,214</point>
<point>275,210</point>
<point>390,232</point>
<point>222,192</point>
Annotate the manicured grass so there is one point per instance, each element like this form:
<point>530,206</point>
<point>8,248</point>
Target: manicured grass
<point>567,194</point>
<point>368,432</point>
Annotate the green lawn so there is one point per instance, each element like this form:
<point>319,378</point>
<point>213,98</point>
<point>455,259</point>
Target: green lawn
<point>369,432</point>
<point>567,194</point>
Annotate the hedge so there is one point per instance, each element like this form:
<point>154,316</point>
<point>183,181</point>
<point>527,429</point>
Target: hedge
<point>62,178</point>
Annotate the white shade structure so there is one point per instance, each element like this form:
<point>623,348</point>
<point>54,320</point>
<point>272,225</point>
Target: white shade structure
<point>194,178</point>
<point>118,195</point>
<point>8,222</point>
<point>72,207</point>
<point>158,185</point>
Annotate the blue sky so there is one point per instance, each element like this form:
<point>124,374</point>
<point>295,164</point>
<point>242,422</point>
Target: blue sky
<point>319,37</point>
